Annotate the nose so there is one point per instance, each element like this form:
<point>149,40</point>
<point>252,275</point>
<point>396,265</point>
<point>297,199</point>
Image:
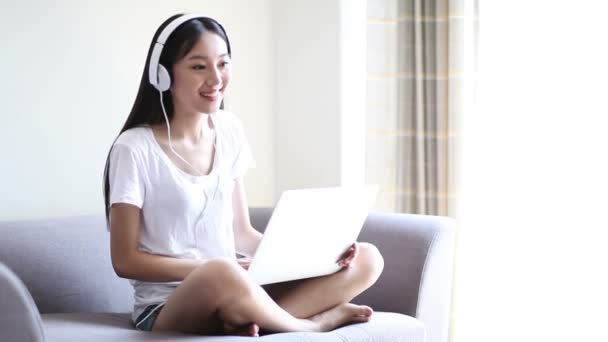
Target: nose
<point>214,78</point>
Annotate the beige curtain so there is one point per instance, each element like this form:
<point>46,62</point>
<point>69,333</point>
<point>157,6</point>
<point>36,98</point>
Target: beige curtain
<point>415,82</point>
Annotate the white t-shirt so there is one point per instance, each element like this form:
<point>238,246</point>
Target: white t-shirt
<point>173,222</point>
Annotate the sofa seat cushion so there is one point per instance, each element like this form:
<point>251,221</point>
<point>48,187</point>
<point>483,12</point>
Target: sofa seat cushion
<point>97,327</point>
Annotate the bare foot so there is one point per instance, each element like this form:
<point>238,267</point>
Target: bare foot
<point>250,329</point>
<point>342,314</point>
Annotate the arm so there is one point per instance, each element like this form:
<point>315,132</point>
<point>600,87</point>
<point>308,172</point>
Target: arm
<point>129,262</point>
<point>246,238</point>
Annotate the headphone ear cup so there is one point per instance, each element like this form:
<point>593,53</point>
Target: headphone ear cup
<point>164,80</point>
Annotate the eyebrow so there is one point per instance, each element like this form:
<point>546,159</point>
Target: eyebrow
<point>205,57</point>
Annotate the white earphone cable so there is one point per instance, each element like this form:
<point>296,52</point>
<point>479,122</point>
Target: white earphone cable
<point>217,185</point>
<point>169,136</point>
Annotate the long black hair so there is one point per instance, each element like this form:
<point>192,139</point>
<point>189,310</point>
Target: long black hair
<point>146,108</point>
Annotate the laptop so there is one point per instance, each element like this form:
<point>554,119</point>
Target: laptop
<point>309,230</point>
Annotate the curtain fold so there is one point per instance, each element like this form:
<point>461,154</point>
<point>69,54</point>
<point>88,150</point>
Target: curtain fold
<point>415,81</point>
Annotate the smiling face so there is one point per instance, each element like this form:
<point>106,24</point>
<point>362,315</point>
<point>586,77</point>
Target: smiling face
<point>202,76</point>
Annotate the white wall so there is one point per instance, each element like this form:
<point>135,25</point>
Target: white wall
<point>353,97</point>
<point>320,92</point>
<point>70,73</point>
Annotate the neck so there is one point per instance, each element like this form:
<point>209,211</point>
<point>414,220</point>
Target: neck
<point>191,127</point>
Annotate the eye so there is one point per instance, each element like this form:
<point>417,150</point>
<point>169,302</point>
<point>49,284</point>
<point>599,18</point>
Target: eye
<point>224,64</point>
<point>199,67</point>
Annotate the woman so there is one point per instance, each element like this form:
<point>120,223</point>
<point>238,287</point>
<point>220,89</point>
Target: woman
<point>177,209</point>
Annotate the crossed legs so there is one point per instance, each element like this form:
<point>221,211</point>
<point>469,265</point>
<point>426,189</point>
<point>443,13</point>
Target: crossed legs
<point>308,297</point>
<point>229,299</point>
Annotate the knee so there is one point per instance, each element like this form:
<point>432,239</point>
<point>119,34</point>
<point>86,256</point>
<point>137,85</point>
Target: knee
<point>219,282</point>
<point>221,273</point>
<point>369,263</point>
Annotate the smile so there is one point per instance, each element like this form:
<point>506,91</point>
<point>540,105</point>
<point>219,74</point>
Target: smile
<point>213,96</point>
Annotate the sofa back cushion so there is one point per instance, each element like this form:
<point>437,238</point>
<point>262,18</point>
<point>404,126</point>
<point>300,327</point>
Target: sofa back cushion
<point>65,264</point>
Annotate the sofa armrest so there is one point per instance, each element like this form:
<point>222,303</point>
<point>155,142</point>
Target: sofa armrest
<point>418,253</point>
<point>19,317</point>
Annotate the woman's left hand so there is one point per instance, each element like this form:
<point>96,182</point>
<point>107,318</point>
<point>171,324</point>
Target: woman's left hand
<point>347,259</point>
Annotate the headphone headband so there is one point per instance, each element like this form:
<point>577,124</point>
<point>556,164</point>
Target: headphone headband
<point>158,81</point>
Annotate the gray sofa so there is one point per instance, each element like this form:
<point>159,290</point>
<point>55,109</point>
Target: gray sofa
<point>57,283</point>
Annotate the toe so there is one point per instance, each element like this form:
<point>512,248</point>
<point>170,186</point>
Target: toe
<point>253,330</point>
<point>364,310</point>
<point>361,319</point>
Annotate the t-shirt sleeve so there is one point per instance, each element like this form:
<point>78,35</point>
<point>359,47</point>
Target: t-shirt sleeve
<point>243,156</point>
<point>125,176</point>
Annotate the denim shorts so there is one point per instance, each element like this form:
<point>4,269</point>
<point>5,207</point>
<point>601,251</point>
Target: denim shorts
<point>146,320</point>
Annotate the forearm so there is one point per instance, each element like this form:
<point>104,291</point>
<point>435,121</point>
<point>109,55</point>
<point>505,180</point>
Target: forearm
<point>155,268</point>
<point>248,242</point>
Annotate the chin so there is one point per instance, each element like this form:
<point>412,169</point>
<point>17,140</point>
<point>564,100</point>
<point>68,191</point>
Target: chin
<point>208,110</point>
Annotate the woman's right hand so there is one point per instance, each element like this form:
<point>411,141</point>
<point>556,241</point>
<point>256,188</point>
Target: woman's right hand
<point>244,262</point>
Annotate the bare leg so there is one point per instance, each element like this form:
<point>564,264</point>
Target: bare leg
<point>220,292</point>
<point>309,297</point>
